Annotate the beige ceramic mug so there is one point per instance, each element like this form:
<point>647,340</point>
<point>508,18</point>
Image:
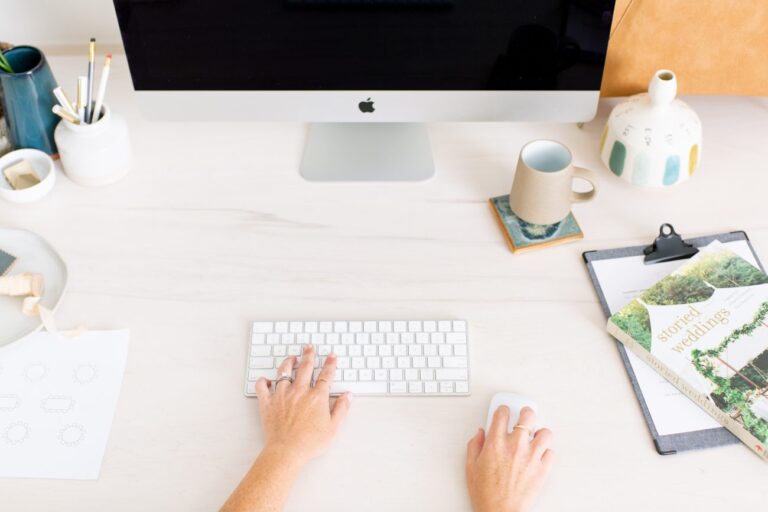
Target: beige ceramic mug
<point>542,191</point>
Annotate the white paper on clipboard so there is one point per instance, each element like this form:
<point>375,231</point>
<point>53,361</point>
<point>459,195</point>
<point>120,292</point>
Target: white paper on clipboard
<point>624,279</point>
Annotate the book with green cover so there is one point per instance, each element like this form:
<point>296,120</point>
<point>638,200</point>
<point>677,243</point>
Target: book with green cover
<point>704,328</point>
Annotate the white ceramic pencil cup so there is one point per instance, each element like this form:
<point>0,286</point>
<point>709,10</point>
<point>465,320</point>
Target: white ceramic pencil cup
<point>97,154</point>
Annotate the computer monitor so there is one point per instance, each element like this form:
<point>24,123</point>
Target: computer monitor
<point>366,72</point>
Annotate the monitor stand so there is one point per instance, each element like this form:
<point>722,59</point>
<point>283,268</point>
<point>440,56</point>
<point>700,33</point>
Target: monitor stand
<point>367,152</point>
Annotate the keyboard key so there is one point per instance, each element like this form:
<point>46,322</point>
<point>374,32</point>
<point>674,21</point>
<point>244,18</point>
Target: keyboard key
<point>317,338</point>
<point>281,327</point>
<point>373,362</point>
<point>411,374</point>
<point>310,327</point>
<point>260,350</point>
<point>332,338</point>
<point>258,338</point>
<point>377,338</point>
<point>430,326</point>
<point>369,350</point>
<point>380,375</point>
<point>340,326</point>
<point>287,339</point>
<point>415,387</point>
<point>355,327</point>
<point>414,326</point>
<point>437,337</point>
<point>385,326</point>
<point>400,350</point>
<point>459,350</point>
<point>462,387</point>
<point>359,388</point>
<point>326,327</point>
<point>261,362</point>
<point>403,362</point>
<point>454,362</point>
<point>444,326</point>
<point>340,350</point>
<point>369,326</point>
<point>366,375</point>
<point>433,362</point>
<point>350,375</point>
<point>280,351</point>
<point>395,375</point>
<point>430,350</point>
<point>250,388</point>
<point>446,387</point>
<point>324,350</point>
<point>273,339</point>
<point>460,326</point>
<point>419,362</point>
<point>407,338</point>
<point>296,327</point>
<point>388,362</point>
<point>358,362</point>
<point>445,350</point>
<point>362,338</point>
<point>294,350</point>
<point>392,338</point>
<point>400,326</point>
<point>414,350</point>
<point>431,387</point>
<point>385,350</point>
<point>254,375</point>
<point>355,350</point>
<point>347,338</point>
<point>264,327</point>
<point>456,337</point>
<point>422,338</point>
<point>451,374</point>
<point>427,374</point>
<point>397,387</point>
<point>302,338</point>
<point>343,362</point>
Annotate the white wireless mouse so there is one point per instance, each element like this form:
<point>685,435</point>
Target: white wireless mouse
<point>515,402</point>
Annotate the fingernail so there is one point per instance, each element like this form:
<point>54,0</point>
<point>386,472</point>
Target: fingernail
<point>331,356</point>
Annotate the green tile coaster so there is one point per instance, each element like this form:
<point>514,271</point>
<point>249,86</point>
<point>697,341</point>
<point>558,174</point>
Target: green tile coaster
<point>6,262</point>
<point>523,236</point>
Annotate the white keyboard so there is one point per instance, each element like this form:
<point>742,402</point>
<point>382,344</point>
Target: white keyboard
<point>380,358</point>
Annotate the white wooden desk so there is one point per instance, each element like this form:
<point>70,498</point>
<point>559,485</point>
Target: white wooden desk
<point>214,228</point>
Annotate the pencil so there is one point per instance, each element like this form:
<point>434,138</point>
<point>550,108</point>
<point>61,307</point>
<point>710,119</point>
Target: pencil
<point>82,84</point>
<point>62,113</point>
<point>102,89</point>
<point>64,101</point>
<point>89,88</point>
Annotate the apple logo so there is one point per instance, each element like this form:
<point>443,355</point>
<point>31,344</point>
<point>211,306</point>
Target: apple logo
<point>366,107</point>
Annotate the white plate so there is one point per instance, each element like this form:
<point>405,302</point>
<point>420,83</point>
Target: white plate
<point>33,255</point>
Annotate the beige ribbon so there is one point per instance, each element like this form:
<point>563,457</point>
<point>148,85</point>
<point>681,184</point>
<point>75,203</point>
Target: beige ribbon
<point>30,286</point>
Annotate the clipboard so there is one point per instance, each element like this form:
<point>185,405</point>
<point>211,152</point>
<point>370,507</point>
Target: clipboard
<point>668,246</point>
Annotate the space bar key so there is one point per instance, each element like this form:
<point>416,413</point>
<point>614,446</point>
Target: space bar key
<point>359,388</point>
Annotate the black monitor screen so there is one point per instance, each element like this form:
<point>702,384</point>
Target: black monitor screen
<point>365,44</point>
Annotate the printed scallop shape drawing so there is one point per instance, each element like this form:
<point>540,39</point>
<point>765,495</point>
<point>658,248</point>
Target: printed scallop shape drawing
<point>35,372</point>
<point>9,402</point>
<point>85,374</point>
<point>72,435</point>
<point>57,404</point>
<point>17,432</point>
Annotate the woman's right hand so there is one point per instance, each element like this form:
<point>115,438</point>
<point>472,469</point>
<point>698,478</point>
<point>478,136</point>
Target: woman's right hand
<point>505,472</point>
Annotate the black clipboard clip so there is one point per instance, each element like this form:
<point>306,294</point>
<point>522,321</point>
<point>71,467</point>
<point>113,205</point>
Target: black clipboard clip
<point>668,246</point>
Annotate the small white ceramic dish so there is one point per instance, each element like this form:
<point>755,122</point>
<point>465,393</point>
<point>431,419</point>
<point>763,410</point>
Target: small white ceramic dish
<point>34,255</point>
<point>43,165</point>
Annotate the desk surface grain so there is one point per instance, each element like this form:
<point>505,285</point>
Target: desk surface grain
<point>214,228</point>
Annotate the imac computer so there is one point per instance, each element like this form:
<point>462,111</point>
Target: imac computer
<point>366,73</point>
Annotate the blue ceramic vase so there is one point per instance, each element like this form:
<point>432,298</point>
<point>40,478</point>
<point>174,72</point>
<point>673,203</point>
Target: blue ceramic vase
<point>28,99</point>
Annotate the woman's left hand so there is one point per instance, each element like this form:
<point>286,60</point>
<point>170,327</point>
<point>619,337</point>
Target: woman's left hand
<point>297,419</point>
